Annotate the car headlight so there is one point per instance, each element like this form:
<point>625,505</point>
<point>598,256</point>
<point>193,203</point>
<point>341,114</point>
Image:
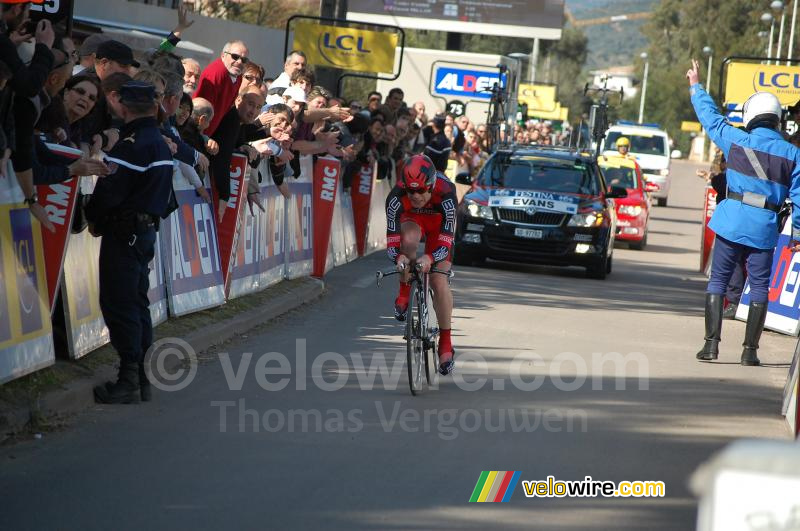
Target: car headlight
<point>664,172</point>
<point>479,211</point>
<point>630,210</point>
<point>590,219</point>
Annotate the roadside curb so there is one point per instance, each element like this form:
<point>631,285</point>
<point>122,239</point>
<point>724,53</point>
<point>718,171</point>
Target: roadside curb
<point>76,395</point>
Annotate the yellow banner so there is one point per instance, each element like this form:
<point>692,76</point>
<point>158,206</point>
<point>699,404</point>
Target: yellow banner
<point>559,113</point>
<point>691,127</point>
<point>538,97</point>
<point>347,48</point>
<point>743,79</point>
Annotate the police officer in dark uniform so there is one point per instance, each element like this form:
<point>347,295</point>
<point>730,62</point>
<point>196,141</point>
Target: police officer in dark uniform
<point>438,146</point>
<point>125,209</point>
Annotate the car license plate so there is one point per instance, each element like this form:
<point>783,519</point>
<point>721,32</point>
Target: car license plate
<point>528,233</point>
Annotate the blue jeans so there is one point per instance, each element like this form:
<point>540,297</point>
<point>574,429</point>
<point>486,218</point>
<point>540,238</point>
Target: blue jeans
<point>728,255</point>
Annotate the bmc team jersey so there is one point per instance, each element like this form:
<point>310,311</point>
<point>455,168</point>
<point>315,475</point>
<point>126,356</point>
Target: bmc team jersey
<point>437,219</point>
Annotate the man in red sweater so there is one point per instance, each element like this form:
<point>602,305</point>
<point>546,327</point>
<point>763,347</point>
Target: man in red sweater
<point>219,83</point>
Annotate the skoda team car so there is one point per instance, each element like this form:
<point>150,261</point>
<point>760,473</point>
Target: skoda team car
<point>538,205</point>
<point>633,211</point>
<point>650,147</point>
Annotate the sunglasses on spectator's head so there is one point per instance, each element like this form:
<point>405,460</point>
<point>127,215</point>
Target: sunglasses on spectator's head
<point>419,191</point>
<point>237,57</point>
<point>83,92</point>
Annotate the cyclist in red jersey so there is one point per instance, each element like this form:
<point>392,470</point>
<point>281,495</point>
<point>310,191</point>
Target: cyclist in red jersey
<point>424,204</point>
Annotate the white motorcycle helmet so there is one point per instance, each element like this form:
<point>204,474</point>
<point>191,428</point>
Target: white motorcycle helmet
<point>761,107</point>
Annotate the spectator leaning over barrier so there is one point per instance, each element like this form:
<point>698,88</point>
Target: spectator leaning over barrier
<point>193,131</point>
<point>304,79</point>
<point>113,56</point>
<point>173,91</point>
<point>220,81</point>
<point>253,75</point>
<point>245,110</point>
<point>419,107</point>
<point>26,82</point>
<point>295,60</point>
<point>438,147</point>
<point>125,210</point>
<point>394,100</point>
<point>762,170</point>
<point>374,100</point>
<point>87,52</point>
<point>191,74</point>
<point>52,123</point>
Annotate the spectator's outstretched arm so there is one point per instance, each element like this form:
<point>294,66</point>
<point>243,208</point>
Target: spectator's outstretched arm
<point>720,132</point>
<point>172,40</point>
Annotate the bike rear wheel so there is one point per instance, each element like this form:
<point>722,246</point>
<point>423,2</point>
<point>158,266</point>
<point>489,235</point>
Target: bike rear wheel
<point>415,341</point>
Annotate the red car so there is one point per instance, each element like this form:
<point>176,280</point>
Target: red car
<point>633,211</point>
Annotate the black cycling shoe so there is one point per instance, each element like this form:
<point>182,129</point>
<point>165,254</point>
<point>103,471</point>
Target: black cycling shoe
<point>400,312</point>
<point>448,366</point>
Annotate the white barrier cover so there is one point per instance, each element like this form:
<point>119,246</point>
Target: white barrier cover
<point>158,287</point>
<point>376,234</point>
<point>348,227</point>
<point>190,253</point>
<point>80,290</point>
<point>337,231</point>
<point>26,341</point>
<point>299,234</point>
<point>260,255</point>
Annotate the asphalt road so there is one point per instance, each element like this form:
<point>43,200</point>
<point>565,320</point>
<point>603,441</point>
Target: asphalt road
<point>539,393</point>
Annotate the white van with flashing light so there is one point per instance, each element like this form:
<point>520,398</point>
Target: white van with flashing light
<point>650,146</point>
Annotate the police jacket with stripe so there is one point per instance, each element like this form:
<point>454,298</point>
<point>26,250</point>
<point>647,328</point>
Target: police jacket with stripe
<point>141,174</point>
<point>760,162</point>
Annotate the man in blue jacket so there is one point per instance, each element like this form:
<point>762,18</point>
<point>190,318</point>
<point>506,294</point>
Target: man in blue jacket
<point>762,170</point>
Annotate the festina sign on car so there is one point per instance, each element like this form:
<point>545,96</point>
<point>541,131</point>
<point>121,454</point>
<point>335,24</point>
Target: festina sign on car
<point>530,199</point>
<point>472,84</point>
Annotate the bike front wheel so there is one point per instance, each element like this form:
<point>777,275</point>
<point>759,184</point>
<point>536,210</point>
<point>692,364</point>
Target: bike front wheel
<point>415,341</point>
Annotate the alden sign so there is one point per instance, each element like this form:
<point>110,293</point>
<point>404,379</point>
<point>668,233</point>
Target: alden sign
<point>470,84</point>
<point>347,48</point>
<point>743,79</point>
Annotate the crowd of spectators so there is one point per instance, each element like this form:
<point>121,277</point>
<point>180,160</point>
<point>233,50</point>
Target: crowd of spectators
<point>55,92</point>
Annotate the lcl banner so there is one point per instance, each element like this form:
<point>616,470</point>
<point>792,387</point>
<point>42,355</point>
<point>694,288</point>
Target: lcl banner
<point>347,48</point>
<point>361,193</point>
<point>80,290</point>
<point>326,180</point>
<point>743,79</point>
<point>228,226</point>
<point>706,234</point>
<point>783,308</point>
<point>58,200</point>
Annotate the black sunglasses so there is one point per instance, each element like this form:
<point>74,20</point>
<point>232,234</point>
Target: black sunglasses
<point>420,191</point>
<point>237,57</point>
<point>83,92</point>
<point>253,79</point>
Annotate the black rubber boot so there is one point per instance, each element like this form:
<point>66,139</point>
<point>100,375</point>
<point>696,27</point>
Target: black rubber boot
<point>145,390</point>
<point>755,325</point>
<point>710,350</point>
<point>124,391</point>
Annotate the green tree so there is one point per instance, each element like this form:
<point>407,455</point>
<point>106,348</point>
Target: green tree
<point>676,33</point>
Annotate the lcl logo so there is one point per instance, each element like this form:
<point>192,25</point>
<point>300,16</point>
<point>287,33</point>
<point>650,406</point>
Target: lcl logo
<point>344,42</point>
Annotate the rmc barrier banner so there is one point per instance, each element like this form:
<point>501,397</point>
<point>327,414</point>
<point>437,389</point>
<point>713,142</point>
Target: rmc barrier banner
<point>347,48</point>
<point>228,226</point>
<point>706,234</point>
<point>361,193</point>
<point>327,173</point>
<point>58,200</point>
<point>260,255</point>
<point>783,309</point>
<point>26,341</point>
<point>80,289</point>
<point>157,294</point>
<point>190,252</point>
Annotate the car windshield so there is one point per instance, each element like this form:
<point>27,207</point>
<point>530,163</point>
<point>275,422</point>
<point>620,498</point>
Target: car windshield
<point>625,177</point>
<point>642,144</point>
<point>535,173</point>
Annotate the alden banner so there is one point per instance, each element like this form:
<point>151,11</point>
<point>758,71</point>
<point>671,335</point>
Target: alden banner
<point>743,79</point>
<point>347,48</point>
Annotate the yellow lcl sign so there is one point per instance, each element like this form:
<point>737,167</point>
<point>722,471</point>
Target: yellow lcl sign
<point>347,48</point>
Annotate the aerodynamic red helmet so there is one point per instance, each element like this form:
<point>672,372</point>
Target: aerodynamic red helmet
<point>419,173</point>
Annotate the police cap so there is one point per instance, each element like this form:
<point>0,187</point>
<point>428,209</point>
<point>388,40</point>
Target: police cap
<point>137,92</point>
